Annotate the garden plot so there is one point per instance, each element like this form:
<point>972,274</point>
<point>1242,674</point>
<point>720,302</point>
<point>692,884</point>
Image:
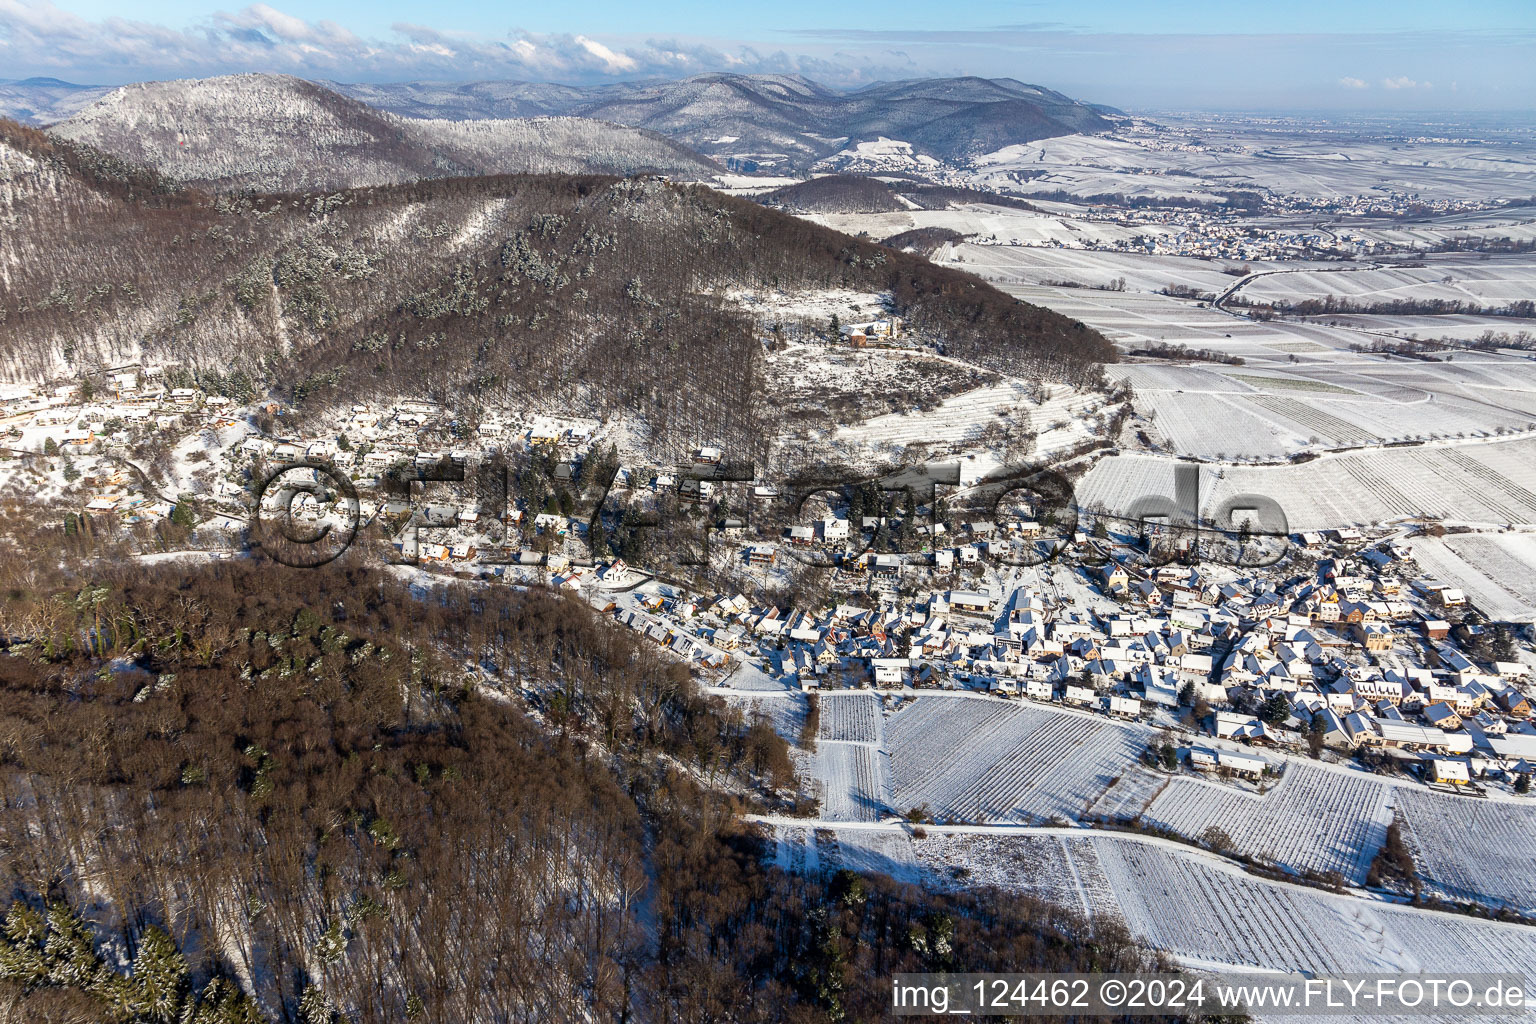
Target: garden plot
<point>854,780</point>
<point>1128,796</point>
<point>1497,571</point>
<point>1314,819</point>
<point>852,717</point>
<point>1482,851</point>
<point>1023,765</point>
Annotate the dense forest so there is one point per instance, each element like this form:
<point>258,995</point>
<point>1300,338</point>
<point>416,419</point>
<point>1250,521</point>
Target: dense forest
<point>245,793</point>
<point>590,295</point>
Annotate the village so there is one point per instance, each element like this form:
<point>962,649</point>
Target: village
<point>1342,649</point>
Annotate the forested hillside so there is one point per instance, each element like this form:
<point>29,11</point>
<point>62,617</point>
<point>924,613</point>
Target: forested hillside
<point>264,794</point>
<point>279,133</point>
<point>594,295</point>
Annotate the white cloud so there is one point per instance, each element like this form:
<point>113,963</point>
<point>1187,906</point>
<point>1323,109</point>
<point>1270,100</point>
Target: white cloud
<point>1350,82</point>
<point>37,35</point>
<point>1400,82</point>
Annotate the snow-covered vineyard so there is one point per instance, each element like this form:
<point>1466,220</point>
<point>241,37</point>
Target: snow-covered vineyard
<point>1314,819</point>
<point>1471,482</point>
<point>1205,912</point>
<point>1481,851</point>
<point>969,760</point>
<point>986,765</point>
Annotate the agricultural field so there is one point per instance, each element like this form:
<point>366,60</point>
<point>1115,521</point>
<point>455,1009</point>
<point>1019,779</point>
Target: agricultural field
<point>1202,909</point>
<point>1208,912</point>
<point>1454,277</point>
<point>1216,426</point>
<point>850,717</point>
<point>1049,866</point>
<point>888,852</point>
<point>985,220</point>
<point>1136,159</point>
<point>1497,570</point>
<point>1023,264</point>
<point>1474,850</point>
<point>1129,795</point>
<point>982,761</point>
<point>1314,819</point>
<point>972,421</point>
<point>853,780</point>
<point>1471,482</point>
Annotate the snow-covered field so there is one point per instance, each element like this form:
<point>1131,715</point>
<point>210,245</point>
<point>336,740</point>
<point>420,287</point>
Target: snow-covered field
<point>1497,570</point>
<point>1211,157</point>
<point>1480,482</point>
<point>1479,850</point>
<point>1129,795</point>
<point>987,761</point>
<point>1314,819</point>
<point>1208,913</point>
<point>851,716</point>
<point>1493,281</point>
<point>854,780</point>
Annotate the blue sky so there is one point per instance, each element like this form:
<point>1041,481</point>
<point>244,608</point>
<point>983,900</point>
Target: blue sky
<point>1299,54</point>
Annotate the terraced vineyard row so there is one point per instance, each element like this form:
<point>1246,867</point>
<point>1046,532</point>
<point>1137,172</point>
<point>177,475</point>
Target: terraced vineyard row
<point>1184,904</point>
<point>1031,767</point>
<point>1478,850</point>
<point>850,717</point>
<point>1313,820</point>
<point>1313,420</point>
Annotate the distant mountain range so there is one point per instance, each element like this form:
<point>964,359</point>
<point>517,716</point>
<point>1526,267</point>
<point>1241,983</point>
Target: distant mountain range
<point>774,122</point>
<point>278,133</point>
<point>40,101</point>
<point>274,131</point>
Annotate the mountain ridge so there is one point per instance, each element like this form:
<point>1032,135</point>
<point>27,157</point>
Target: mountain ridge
<point>281,133</point>
<point>782,122</point>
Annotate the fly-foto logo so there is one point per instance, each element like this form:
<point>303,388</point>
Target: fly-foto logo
<point>307,513</point>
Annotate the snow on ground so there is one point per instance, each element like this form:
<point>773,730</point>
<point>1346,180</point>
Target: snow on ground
<point>1207,912</point>
<point>1496,868</point>
<point>784,711</point>
<point>853,780</point>
<point>851,716</point>
<point>1314,819</point>
<point>1479,482</point>
<point>1497,570</point>
<point>985,761</point>
<point>1045,865</point>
